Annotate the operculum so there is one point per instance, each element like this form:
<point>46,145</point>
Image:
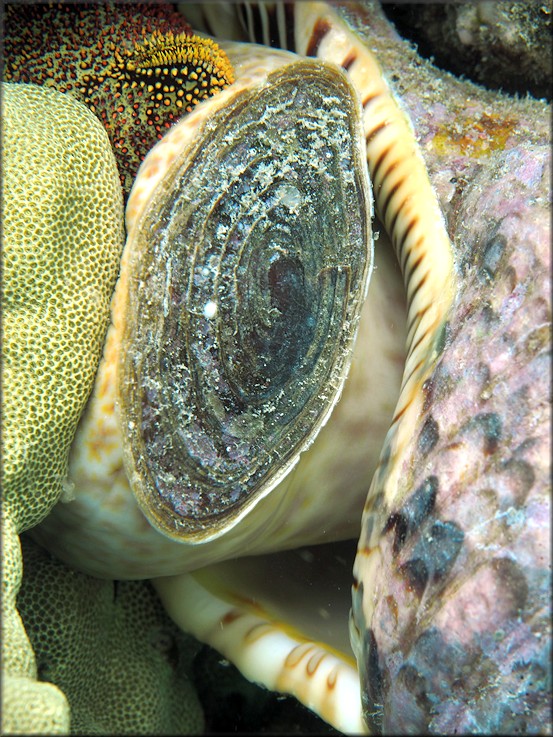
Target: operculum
<point>246,274</point>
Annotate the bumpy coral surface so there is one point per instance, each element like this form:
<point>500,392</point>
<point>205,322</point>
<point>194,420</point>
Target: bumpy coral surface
<point>63,234</point>
<point>121,662</point>
<point>136,66</point>
<point>27,705</point>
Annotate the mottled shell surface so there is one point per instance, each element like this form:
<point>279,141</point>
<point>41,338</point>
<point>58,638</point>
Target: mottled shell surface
<point>245,282</point>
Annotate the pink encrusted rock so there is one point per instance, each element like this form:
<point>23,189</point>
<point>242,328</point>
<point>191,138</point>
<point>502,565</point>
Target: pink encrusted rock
<point>459,639</point>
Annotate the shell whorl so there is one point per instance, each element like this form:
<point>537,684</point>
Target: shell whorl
<point>242,309</point>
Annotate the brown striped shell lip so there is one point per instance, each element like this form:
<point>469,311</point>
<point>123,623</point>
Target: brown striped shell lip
<point>408,208</point>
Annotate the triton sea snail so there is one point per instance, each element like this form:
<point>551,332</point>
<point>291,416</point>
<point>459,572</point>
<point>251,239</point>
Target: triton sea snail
<point>222,425</point>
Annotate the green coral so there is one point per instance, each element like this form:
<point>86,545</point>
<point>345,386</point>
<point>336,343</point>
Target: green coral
<point>28,707</point>
<point>122,663</point>
<point>63,236</point>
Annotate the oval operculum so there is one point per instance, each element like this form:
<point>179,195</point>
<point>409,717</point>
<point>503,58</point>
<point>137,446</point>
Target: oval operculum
<point>247,273</point>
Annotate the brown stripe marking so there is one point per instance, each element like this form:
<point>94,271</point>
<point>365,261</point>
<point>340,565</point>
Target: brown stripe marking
<point>397,212</point>
<point>401,241</point>
<point>257,631</point>
<point>365,550</point>
<point>418,315</point>
<point>414,266</point>
<point>322,27</point>
<point>408,251</point>
<point>388,199</point>
<point>331,680</point>
<point>310,666</point>
<point>369,98</point>
<point>375,131</point>
<point>419,285</point>
<point>230,617</point>
<point>413,371</point>
<point>348,61</point>
<point>386,204</point>
<point>379,161</point>
<point>389,170</point>
<point>416,345</point>
<point>402,411</point>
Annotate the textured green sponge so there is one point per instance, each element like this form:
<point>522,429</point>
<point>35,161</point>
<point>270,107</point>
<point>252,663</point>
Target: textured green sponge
<point>28,706</point>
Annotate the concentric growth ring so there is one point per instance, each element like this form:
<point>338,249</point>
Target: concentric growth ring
<point>245,294</point>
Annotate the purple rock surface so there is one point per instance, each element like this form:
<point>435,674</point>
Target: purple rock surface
<point>459,639</point>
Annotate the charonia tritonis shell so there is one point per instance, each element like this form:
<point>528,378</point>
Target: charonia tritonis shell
<point>409,210</point>
<point>102,530</point>
<point>267,191</point>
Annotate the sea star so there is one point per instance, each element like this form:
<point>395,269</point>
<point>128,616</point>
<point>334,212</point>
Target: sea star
<point>137,67</point>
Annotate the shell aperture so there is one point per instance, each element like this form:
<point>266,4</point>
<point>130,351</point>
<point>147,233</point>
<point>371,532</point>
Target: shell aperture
<point>244,303</point>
